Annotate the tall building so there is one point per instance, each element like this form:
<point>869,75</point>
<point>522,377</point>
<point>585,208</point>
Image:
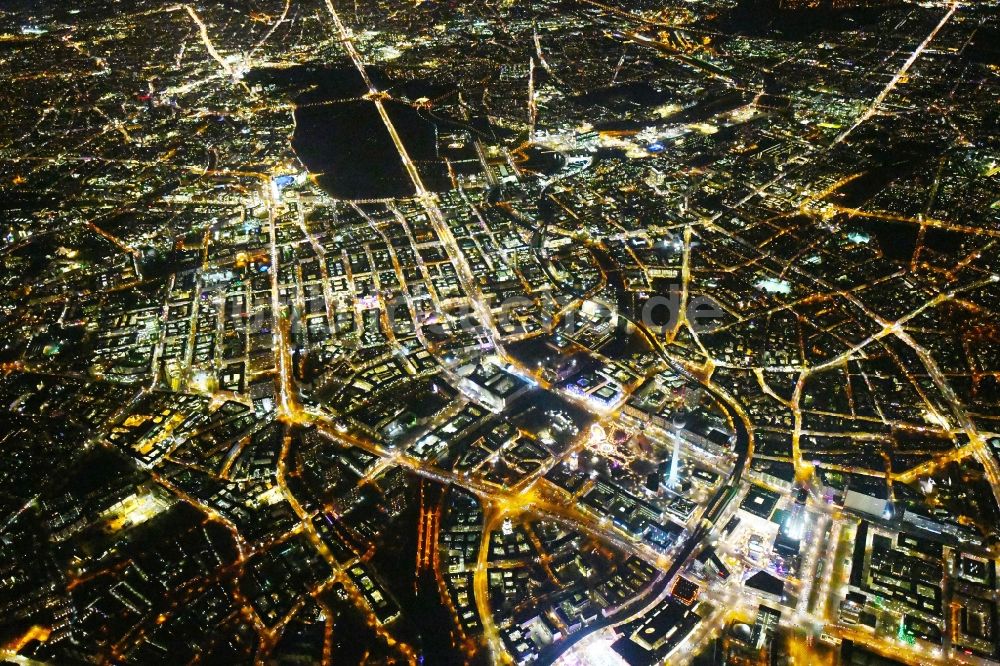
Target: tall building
<point>672,475</point>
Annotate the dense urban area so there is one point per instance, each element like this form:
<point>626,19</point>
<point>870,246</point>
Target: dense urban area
<point>561,332</point>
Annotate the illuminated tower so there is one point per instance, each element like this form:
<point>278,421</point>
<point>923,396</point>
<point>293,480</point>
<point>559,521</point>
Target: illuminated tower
<point>678,424</point>
<point>674,462</point>
<point>796,523</point>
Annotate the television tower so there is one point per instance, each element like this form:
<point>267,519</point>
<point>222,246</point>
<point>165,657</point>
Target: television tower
<point>674,463</point>
<point>679,422</point>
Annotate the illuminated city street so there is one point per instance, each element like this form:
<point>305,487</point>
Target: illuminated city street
<point>568,333</point>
